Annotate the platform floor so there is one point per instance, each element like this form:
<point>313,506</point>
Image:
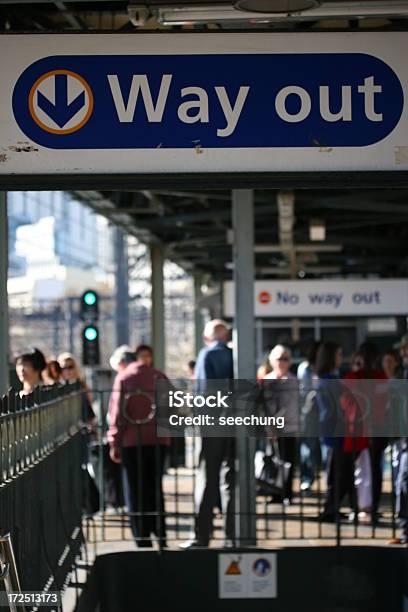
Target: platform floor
<point>277,525</point>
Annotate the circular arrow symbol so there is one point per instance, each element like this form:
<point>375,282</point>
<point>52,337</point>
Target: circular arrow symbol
<point>60,102</point>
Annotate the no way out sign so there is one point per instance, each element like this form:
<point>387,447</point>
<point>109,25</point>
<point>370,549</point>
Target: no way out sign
<point>203,103</point>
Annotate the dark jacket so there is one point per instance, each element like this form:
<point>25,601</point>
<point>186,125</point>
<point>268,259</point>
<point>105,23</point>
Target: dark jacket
<point>214,363</point>
<point>331,424</point>
<point>131,401</point>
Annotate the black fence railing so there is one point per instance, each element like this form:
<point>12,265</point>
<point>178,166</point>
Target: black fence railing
<point>165,494</point>
<point>41,452</point>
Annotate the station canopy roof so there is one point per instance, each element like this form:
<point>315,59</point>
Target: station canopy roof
<point>360,232</point>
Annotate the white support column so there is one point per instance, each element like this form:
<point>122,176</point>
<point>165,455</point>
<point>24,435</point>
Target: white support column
<point>244,351</point>
<point>157,316</point>
<point>4,320</point>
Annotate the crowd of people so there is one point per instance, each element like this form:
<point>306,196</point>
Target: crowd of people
<point>352,454</point>
<point>34,370</point>
<point>312,398</point>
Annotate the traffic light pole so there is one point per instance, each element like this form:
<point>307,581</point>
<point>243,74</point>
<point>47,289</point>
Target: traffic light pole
<point>4,319</point>
<point>71,324</point>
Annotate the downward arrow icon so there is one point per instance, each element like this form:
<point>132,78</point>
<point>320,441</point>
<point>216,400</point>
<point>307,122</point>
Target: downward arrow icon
<point>60,111</point>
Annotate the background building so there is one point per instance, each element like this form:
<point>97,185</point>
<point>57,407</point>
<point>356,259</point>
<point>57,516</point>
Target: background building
<point>58,248</point>
<point>51,227</point>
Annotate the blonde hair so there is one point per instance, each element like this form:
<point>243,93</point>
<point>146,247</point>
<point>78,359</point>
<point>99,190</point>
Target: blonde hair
<point>78,374</point>
<point>70,357</point>
<point>277,352</point>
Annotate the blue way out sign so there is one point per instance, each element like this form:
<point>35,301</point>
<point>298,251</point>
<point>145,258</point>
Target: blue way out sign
<point>265,100</point>
<point>290,102</point>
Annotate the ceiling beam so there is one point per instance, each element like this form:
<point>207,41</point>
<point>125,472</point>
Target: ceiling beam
<point>69,17</point>
<point>286,270</point>
<point>299,248</point>
<point>352,203</point>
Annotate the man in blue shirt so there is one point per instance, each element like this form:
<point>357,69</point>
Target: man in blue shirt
<point>215,477</point>
<point>214,361</point>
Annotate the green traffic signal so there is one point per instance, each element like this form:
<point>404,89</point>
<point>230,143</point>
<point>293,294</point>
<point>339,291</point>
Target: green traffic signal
<point>89,313</point>
<point>90,333</point>
<point>89,306</point>
<point>89,298</point>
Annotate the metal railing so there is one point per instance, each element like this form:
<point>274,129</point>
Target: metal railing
<point>9,572</point>
<point>41,452</point>
<point>277,523</point>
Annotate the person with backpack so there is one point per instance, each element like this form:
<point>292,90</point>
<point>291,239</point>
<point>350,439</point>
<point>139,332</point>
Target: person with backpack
<point>134,443</point>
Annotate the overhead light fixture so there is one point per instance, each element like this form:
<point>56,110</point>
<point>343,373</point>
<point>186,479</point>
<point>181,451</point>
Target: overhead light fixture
<point>276,6</point>
<point>225,13</point>
<point>317,230</point>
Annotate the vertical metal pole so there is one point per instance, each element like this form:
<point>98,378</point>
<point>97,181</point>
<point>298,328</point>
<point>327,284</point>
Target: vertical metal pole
<point>157,317</point>
<point>361,331</point>
<point>4,320</point>
<point>122,288</point>
<point>71,342</point>
<point>56,336</point>
<point>198,318</point>
<point>259,341</point>
<point>317,330</point>
<point>244,350</point>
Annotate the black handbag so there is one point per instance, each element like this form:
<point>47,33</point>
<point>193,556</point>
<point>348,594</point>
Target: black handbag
<point>271,472</point>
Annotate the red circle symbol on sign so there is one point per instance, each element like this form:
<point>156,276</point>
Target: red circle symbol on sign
<point>264,297</point>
